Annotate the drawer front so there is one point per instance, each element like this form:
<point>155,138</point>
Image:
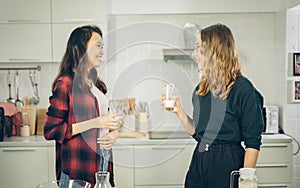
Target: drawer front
<point>29,164</point>
<point>275,153</point>
<point>156,165</point>
<point>274,173</point>
<point>123,166</point>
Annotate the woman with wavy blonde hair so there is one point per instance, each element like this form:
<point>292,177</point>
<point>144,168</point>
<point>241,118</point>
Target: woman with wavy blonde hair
<point>227,111</point>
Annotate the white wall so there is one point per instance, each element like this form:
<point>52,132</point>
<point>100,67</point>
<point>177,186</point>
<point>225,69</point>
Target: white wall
<point>292,111</point>
<point>258,37</point>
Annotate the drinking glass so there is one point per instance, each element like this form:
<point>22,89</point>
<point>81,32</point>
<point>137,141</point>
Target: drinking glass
<point>170,92</point>
<point>115,107</point>
<point>64,184</point>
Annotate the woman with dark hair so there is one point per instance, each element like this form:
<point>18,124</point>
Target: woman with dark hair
<point>227,111</point>
<point>79,109</point>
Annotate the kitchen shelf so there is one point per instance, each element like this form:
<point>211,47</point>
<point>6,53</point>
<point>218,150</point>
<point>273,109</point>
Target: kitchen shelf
<point>176,54</point>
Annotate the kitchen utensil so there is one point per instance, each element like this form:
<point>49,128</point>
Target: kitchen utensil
<point>131,105</point>
<point>10,99</point>
<point>18,103</point>
<point>247,178</point>
<point>126,107</point>
<point>33,79</point>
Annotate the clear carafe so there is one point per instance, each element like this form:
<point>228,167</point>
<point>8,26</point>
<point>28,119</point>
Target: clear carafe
<point>102,180</point>
<point>247,178</point>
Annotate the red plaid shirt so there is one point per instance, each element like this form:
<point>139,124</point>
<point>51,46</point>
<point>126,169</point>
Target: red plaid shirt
<point>75,155</point>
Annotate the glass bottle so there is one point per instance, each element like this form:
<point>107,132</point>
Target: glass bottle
<point>102,180</point>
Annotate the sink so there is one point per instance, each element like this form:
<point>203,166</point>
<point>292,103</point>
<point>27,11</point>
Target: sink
<point>169,135</point>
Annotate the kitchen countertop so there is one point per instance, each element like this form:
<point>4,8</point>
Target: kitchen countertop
<point>41,141</point>
<point>18,141</point>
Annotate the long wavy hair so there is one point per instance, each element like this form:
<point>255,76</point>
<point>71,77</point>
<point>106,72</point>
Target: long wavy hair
<point>75,60</point>
<point>221,62</point>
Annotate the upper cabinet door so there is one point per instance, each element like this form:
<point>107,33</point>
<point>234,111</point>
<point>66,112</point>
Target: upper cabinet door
<point>29,11</point>
<point>70,11</point>
<point>25,43</point>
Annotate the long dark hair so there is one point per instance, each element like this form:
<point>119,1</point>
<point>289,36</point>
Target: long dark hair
<point>74,59</point>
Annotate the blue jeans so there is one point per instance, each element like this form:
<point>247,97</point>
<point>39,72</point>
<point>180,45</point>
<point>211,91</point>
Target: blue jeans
<point>65,182</point>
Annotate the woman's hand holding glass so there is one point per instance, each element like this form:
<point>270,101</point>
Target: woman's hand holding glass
<point>177,105</point>
<point>109,121</point>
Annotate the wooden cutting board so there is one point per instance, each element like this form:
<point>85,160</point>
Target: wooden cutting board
<point>41,117</point>
<point>131,135</point>
<point>31,111</point>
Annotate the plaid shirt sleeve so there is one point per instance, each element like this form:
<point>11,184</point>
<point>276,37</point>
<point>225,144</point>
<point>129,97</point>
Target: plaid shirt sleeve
<point>56,128</point>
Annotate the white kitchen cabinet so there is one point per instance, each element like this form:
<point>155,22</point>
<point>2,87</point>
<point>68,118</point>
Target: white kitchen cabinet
<point>66,18</point>
<point>162,165</point>
<point>25,32</point>
<point>40,34</point>
<point>61,34</point>
<point>25,43</point>
<point>274,165</point>
<point>292,31</point>
<point>26,162</point>
<point>123,166</point>
<point>29,11</point>
<point>74,11</point>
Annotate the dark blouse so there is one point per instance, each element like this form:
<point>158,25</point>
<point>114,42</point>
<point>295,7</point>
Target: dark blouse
<point>238,118</point>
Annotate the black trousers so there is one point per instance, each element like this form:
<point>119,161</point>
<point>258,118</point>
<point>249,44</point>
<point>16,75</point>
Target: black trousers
<point>211,166</point>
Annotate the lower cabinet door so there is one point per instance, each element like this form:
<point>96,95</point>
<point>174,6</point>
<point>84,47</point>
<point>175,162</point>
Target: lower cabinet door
<point>123,166</point>
<point>24,166</point>
<point>162,165</point>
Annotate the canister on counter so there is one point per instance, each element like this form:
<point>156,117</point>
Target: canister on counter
<point>2,123</point>
<point>25,129</point>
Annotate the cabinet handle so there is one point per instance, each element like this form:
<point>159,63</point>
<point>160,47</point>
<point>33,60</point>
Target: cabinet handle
<point>22,21</point>
<point>271,165</point>
<point>121,148</point>
<point>78,20</point>
<point>24,59</point>
<point>274,145</point>
<point>272,185</point>
<point>17,149</point>
<point>167,147</point>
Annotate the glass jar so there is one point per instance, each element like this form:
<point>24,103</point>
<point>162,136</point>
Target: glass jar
<point>102,180</point>
<point>247,178</point>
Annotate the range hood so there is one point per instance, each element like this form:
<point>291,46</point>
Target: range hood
<point>175,54</point>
